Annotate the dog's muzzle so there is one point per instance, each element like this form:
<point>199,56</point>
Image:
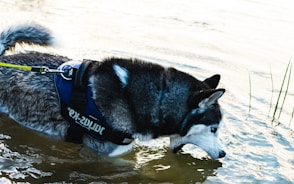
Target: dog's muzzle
<point>221,154</point>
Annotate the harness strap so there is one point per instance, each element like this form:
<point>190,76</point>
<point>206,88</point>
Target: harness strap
<point>78,101</point>
<point>92,126</point>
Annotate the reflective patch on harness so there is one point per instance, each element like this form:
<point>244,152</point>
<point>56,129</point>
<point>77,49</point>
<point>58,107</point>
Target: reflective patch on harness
<point>86,122</point>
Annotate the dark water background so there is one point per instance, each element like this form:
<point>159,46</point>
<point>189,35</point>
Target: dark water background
<point>248,42</point>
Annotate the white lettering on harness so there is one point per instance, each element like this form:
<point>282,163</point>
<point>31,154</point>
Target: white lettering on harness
<point>84,121</point>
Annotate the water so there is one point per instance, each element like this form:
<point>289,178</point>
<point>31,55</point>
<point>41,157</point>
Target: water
<point>236,38</point>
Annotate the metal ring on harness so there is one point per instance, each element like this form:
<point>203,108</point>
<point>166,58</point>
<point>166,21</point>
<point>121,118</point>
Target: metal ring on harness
<point>68,69</point>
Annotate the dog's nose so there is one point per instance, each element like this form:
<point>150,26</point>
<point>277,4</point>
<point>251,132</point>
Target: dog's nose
<point>222,154</point>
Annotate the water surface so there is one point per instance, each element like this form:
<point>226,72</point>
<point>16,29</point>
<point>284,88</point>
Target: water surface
<point>235,38</point>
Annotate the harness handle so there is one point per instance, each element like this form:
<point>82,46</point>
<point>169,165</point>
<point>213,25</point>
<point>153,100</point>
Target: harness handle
<point>81,76</point>
<point>79,94</point>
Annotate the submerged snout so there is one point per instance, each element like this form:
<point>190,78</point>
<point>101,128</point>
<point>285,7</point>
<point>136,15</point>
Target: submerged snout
<point>217,155</point>
<point>213,155</point>
<point>213,152</point>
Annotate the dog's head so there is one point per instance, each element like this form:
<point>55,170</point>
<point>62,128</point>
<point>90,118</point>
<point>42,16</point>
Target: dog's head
<point>201,124</point>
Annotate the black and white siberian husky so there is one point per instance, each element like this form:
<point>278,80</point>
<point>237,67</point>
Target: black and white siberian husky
<point>133,99</point>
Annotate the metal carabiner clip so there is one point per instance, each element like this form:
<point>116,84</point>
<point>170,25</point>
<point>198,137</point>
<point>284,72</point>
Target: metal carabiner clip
<point>44,70</point>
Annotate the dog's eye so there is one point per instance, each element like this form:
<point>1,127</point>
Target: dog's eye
<point>213,129</point>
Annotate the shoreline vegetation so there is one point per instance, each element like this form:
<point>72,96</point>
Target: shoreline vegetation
<point>283,92</point>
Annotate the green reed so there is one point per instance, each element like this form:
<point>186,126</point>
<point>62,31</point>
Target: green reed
<point>282,94</point>
<point>286,92</point>
<point>250,94</point>
<point>289,66</point>
<point>291,117</point>
<point>272,82</point>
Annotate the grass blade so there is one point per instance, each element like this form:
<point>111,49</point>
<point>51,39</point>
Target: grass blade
<point>291,117</point>
<point>271,103</point>
<point>280,92</point>
<point>286,92</point>
<point>250,94</point>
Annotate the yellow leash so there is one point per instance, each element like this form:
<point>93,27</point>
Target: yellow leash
<point>8,65</point>
<point>39,69</point>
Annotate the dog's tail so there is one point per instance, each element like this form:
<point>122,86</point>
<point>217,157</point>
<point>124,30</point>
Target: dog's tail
<point>29,33</point>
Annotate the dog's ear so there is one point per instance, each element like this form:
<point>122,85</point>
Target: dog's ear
<point>212,81</point>
<point>210,97</point>
<point>205,98</point>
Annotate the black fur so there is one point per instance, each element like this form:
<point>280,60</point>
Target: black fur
<point>155,100</point>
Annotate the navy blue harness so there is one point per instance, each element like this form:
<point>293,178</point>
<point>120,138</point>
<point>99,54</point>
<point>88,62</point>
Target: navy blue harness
<point>79,109</point>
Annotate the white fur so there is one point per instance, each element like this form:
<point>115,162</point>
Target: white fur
<point>201,136</point>
<point>142,137</point>
<point>122,74</point>
<point>122,149</point>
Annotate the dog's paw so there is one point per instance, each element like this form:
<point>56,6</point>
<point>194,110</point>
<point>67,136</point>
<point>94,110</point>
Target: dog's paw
<point>120,150</point>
